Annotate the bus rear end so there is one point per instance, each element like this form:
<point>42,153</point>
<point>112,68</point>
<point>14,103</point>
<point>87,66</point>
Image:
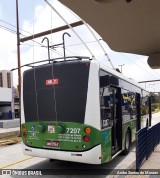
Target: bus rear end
<point>60,111</point>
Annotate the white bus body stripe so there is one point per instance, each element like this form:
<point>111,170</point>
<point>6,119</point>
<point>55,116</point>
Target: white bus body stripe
<point>92,156</point>
<point>92,114</point>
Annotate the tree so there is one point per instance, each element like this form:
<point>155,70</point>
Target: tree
<point>155,97</point>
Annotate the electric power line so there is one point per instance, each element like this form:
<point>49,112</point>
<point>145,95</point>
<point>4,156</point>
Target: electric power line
<point>15,32</point>
<point>59,53</point>
<point>8,29</point>
<point>139,66</point>
<point>145,64</point>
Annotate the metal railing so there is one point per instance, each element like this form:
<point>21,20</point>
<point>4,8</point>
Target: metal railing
<point>146,141</point>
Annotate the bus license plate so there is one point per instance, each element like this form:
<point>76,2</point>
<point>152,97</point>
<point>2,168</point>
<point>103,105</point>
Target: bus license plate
<point>52,143</point>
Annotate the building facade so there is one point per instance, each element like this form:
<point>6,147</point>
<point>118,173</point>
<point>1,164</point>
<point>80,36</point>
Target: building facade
<point>6,95</point>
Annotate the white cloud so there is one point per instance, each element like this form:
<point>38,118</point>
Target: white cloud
<point>7,49</point>
<point>8,53</point>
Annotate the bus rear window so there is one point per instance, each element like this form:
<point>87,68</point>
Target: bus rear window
<point>57,91</point>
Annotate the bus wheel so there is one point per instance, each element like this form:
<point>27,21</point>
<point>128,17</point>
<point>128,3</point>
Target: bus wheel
<point>127,143</point>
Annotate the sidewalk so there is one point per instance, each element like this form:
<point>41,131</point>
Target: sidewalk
<point>5,132</point>
<point>151,165</point>
<point>153,161</point>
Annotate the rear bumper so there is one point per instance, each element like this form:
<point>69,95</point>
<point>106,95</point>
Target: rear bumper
<point>92,156</point>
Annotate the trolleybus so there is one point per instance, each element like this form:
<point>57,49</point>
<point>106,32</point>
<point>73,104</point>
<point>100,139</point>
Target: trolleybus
<point>80,110</point>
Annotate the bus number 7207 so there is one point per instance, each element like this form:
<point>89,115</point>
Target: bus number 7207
<point>73,130</point>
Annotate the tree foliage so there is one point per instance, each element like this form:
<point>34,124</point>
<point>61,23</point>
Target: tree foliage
<point>155,98</point>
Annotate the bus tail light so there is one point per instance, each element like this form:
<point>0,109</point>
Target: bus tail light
<point>87,130</point>
<point>24,134</point>
<point>86,138</point>
<point>23,127</point>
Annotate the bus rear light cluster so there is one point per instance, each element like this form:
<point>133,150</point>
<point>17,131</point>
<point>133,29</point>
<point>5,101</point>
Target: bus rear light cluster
<point>86,138</point>
<point>24,134</point>
<point>87,130</point>
<point>23,127</point>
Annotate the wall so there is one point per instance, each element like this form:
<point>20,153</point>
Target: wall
<point>5,102</point>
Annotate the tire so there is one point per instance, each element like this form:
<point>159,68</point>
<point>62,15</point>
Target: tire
<point>127,143</point>
<point>51,160</point>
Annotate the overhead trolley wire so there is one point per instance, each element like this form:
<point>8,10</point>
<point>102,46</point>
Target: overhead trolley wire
<point>34,73</point>
<point>70,27</point>
<point>14,27</point>
<point>56,51</point>
<point>145,64</point>
<point>8,29</point>
<point>138,65</point>
<point>15,32</point>
<point>97,40</point>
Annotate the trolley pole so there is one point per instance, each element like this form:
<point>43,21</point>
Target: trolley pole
<point>19,62</point>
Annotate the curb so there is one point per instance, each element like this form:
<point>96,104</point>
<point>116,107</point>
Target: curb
<point>8,142</point>
<point>10,133</point>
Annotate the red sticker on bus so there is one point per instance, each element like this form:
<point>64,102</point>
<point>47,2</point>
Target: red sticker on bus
<point>52,82</point>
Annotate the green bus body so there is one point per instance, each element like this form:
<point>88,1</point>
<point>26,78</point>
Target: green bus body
<point>68,135</point>
<point>70,140</point>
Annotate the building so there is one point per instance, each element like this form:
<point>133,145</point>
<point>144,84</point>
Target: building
<point>16,103</point>
<point>6,95</point>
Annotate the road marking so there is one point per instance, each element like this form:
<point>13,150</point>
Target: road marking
<point>9,165</point>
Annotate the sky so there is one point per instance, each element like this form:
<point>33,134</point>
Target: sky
<point>36,16</point>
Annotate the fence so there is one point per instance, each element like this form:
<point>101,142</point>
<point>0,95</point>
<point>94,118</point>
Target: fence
<point>146,140</point>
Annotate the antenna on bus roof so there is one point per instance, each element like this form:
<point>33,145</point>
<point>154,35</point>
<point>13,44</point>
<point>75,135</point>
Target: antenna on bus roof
<point>45,38</point>
<point>64,52</point>
<point>64,44</point>
<point>56,45</point>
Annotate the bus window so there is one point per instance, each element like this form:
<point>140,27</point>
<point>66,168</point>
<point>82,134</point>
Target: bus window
<point>105,107</point>
<point>128,105</point>
<point>105,99</point>
<point>145,106</point>
<point>145,111</point>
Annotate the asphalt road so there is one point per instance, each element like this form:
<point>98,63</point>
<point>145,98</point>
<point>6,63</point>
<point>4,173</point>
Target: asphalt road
<point>63,167</point>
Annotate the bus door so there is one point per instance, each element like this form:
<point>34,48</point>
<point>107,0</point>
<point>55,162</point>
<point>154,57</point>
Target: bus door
<point>116,119</point>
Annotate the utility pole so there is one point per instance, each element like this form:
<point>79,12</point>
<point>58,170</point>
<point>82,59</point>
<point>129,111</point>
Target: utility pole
<point>19,62</point>
<point>121,66</point>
